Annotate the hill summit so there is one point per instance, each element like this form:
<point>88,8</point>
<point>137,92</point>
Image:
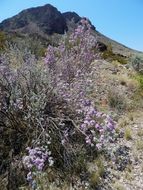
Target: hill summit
<point>46,19</point>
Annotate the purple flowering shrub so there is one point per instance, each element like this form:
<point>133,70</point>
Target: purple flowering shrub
<point>71,70</point>
<point>49,104</point>
<point>24,90</point>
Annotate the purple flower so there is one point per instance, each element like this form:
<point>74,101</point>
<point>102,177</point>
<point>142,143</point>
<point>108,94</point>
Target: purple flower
<point>110,126</point>
<point>92,122</point>
<point>101,138</point>
<point>99,146</point>
<point>83,126</point>
<point>101,131</point>
<point>88,140</point>
<point>97,126</point>
<point>40,166</point>
<point>29,176</point>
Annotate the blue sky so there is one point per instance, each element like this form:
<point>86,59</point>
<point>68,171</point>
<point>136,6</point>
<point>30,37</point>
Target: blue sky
<point>121,20</point>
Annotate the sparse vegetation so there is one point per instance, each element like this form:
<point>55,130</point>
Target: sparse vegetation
<point>123,122</point>
<point>116,100</point>
<point>130,83</point>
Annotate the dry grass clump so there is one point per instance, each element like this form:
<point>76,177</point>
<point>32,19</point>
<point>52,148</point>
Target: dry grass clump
<point>128,133</point>
<point>117,100</point>
<point>140,132</point>
<point>139,144</point>
<point>118,186</point>
<point>96,170</point>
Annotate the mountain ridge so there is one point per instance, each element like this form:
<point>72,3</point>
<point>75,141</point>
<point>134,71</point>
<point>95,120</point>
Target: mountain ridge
<point>47,20</point>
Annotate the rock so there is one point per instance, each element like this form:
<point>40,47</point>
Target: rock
<point>71,16</point>
<point>101,46</point>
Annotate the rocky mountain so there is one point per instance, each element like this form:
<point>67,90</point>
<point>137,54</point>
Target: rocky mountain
<point>47,20</point>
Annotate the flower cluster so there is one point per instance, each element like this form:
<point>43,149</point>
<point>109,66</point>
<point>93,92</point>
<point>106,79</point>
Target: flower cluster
<point>36,159</point>
<point>98,127</point>
<point>75,52</point>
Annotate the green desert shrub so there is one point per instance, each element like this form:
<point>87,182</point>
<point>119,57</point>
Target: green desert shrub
<point>96,171</point>
<point>137,63</point>
<point>128,134</point>
<point>95,179</point>
<point>139,78</point>
<point>111,56</point>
